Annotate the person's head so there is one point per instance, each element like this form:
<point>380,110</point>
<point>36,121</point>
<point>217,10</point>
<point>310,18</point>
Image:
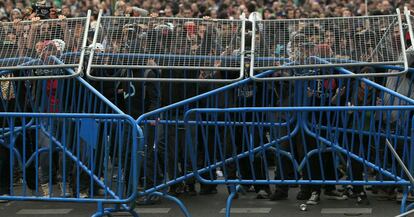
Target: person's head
<point>53,13</point>
<point>120,8</point>
<point>139,12</point>
<point>39,47</point>
<point>267,13</point>
<point>290,13</point>
<point>49,49</point>
<point>213,14</point>
<point>16,14</point>
<point>168,11</point>
<point>346,13</point>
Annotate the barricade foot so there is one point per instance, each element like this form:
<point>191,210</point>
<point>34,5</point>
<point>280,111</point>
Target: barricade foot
<point>233,191</point>
<point>175,200</point>
<point>404,207</point>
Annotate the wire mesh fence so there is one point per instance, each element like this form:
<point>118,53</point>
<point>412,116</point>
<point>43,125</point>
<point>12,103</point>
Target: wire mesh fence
<point>347,41</point>
<point>178,43</point>
<point>54,43</point>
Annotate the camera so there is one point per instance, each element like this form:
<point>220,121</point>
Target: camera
<point>42,9</point>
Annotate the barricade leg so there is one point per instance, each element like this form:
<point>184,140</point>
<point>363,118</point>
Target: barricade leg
<point>233,191</point>
<point>403,207</point>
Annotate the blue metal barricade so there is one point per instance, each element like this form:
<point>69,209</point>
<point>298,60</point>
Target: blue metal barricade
<point>66,142</point>
<point>356,125</point>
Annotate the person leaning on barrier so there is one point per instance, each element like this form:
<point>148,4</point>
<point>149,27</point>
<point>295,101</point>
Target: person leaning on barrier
<point>398,121</point>
<point>47,101</point>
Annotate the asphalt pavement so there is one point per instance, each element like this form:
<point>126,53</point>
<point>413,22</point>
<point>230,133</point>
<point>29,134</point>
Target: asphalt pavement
<point>213,205</point>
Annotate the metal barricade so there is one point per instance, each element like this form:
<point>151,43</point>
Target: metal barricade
<point>410,22</point>
<point>343,42</point>
<point>357,126</point>
<point>169,43</point>
<point>66,142</point>
<point>50,44</point>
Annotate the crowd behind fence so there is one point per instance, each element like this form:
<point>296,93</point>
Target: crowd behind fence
<point>140,138</point>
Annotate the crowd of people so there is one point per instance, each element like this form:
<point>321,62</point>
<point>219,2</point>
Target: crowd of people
<point>294,42</point>
<point>224,9</point>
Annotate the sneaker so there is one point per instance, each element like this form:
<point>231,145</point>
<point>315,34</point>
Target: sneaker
<point>45,190</point>
<point>263,194</point>
<point>65,189</point>
<point>335,195</point>
<point>362,199</point>
<point>278,195</point>
<point>176,189</point>
<point>83,195</point>
<point>349,192</point>
<point>314,198</point>
<point>4,201</point>
<point>36,193</point>
<point>303,195</point>
<point>399,196</point>
<point>148,200</point>
<point>191,190</point>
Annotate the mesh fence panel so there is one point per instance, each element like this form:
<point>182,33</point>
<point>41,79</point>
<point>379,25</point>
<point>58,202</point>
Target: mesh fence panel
<point>30,44</point>
<point>348,41</point>
<point>171,42</point>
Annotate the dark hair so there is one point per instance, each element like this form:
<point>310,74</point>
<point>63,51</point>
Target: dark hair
<point>251,7</point>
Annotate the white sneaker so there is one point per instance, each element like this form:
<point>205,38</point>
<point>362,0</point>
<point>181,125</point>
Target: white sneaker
<point>314,199</point>
<point>4,201</point>
<point>65,189</point>
<point>45,190</point>
<point>83,195</point>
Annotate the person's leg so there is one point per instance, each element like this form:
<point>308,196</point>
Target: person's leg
<point>4,170</point>
<point>284,165</point>
<point>44,162</point>
<point>207,139</point>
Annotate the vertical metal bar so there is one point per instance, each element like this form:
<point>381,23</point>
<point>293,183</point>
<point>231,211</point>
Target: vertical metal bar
<point>85,40</point>
<point>95,38</point>
<point>252,49</point>
<point>404,54</point>
<point>410,24</point>
<point>243,44</point>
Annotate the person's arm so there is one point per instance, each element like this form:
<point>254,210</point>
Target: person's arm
<point>32,33</point>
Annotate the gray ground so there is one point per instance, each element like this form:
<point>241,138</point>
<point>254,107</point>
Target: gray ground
<point>212,205</point>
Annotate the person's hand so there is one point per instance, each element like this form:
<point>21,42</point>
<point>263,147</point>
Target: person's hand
<point>63,20</point>
<point>155,123</point>
<point>151,62</point>
<point>207,18</point>
<point>154,15</point>
<point>35,19</point>
<point>217,63</point>
<point>379,101</point>
<point>35,22</point>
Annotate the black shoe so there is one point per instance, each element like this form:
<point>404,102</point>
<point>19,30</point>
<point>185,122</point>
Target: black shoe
<point>303,195</point>
<point>176,190</point>
<point>191,190</point>
<point>278,195</point>
<point>362,199</point>
<point>148,200</point>
<point>350,192</point>
<point>335,195</point>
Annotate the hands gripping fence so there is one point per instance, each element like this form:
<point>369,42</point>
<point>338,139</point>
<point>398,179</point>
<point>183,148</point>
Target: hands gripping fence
<point>28,45</point>
<point>181,141</point>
